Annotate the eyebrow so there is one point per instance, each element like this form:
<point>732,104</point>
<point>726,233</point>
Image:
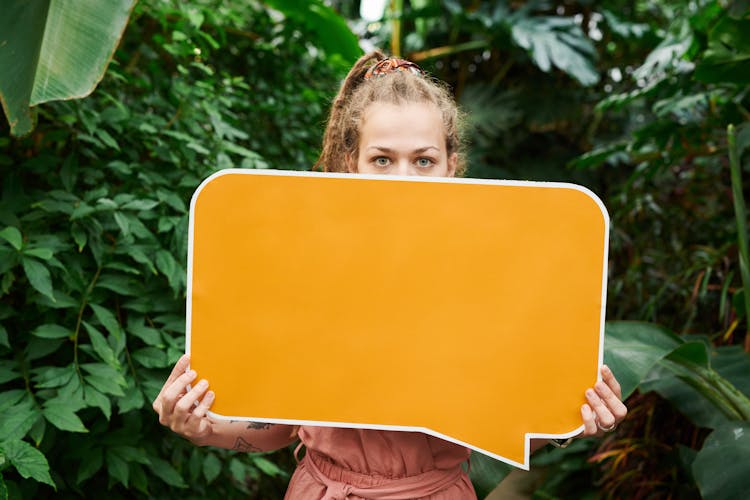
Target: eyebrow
<point>417,151</point>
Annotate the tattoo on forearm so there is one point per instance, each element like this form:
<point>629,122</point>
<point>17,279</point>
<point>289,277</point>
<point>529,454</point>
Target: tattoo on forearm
<point>259,426</point>
<point>242,445</point>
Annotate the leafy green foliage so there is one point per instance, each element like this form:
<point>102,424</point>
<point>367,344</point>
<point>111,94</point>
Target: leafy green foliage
<point>720,467</point>
<point>93,238</point>
<point>636,98</point>
<point>33,34</point>
<point>652,135</point>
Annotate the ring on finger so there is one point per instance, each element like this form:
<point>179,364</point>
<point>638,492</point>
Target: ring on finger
<point>606,429</point>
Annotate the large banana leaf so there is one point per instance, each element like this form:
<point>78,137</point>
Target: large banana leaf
<point>52,50</point>
<point>632,348</point>
<point>721,467</point>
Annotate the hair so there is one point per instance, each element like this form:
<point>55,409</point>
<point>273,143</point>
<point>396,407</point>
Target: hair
<point>341,138</point>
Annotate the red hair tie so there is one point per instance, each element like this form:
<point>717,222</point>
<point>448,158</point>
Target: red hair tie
<point>390,65</point>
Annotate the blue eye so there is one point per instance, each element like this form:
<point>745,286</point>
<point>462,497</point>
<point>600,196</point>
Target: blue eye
<point>424,162</point>
<point>382,161</point>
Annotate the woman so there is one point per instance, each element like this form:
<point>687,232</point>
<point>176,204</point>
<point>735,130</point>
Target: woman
<point>388,118</point>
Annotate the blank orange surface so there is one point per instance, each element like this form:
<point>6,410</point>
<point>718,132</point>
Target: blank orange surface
<point>472,310</point>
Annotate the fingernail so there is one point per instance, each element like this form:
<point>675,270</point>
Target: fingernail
<point>590,393</point>
<point>192,374</point>
<point>605,368</point>
<point>209,395</point>
<point>202,384</point>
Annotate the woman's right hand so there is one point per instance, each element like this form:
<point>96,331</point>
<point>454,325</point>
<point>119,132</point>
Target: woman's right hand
<point>183,410</point>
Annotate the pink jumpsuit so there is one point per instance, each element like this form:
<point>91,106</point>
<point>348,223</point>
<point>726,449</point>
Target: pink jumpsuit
<point>351,464</point>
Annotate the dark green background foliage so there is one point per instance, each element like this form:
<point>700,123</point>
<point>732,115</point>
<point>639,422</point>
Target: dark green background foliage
<point>631,98</point>
<point>92,269</point>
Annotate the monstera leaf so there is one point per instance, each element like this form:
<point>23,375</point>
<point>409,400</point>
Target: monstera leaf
<point>559,42</point>
<point>52,50</point>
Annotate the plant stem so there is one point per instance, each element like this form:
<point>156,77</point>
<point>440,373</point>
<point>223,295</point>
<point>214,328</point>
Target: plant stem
<point>397,11</point>
<point>447,50</point>
<point>84,302</point>
<point>740,214</point>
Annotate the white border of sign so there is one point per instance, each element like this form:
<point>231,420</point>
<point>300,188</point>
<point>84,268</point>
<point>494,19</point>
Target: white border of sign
<point>449,180</point>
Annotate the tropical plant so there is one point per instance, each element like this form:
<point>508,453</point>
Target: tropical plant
<point>53,52</point>
<point>663,111</point>
<point>93,228</point>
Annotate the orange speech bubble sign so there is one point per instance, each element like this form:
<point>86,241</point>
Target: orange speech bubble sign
<point>470,310</point>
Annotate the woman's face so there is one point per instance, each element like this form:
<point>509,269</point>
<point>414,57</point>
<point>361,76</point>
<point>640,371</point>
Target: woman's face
<point>406,139</point>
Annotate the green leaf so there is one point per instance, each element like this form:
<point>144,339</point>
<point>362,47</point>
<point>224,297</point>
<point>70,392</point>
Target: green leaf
<point>38,348</point>
<point>559,42</point>
<point>333,34</point>
<point>169,267</point>
<point>238,470</point>
<point>123,223</point>
<point>8,371</point>
<point>151,357</point>
<point>12,236</point>
<point>56,52</point>
<point>40,253</point>
<point>117,467</point>
<point>28,461</point>
<point>49,377</point>
<point>92,397</point>
<point>63,416</point>
<point>38,276</point>
<point>720,468</point>
<point>211,468</point>
<point>727,58</point>
<point>79,236</point>
<point>107,319</point>
<point>631,349</point>
<point>104,378</point>
<point>139,205</point>
<point>486,473</point>
<point>107,138</point>
<point>92,461</point>
<point>269,468</point>
<point>133,398</point>
<point>694,353</point>
<point>18,420</point>
<point>150,336</point>
<point>124,285</point>
<point>167,473</point>
<point>52,331</point>
<point>4,337</point>
<point>131,454</point>
<point>71,393</point>
<point>684,397</point>
<point>36,433</point>
<point>733,363</point>
<point>10,398</point>
<point>697,389</point>
<point>101,347</point>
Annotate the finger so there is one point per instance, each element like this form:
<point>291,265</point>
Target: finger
<point>204,405</point>
<point>172,393</point>
<point>179,368</point>
<point>611,401</point>
<point>605,419</point>
<point>589,422</point>
<point>186,404</point>
<point>609,378</point>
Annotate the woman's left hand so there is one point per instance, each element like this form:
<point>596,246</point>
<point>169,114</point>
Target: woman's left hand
<point>605,409</point>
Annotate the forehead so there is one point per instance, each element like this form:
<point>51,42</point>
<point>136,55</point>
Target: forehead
<point>402,123</point>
